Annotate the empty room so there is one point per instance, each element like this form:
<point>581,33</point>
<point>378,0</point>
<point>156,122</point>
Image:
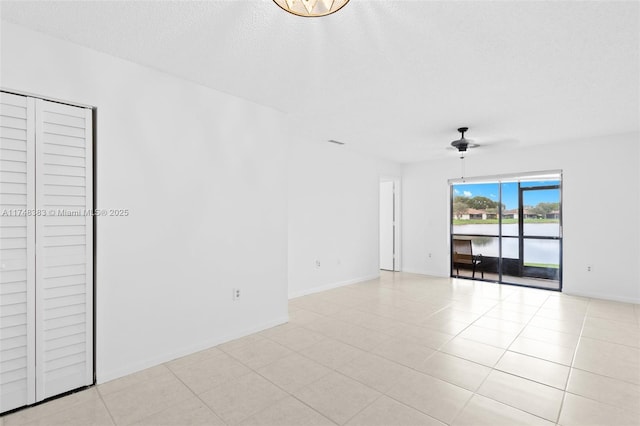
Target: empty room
<point>319,212</point>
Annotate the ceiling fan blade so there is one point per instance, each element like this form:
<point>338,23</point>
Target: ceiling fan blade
<point>497,143</point>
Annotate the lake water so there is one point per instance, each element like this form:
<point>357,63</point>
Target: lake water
<point>535,251</point>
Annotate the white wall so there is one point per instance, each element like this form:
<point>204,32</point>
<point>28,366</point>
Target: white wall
<point>333,214</point>
<point>204,177</point>
<point>601,210</point>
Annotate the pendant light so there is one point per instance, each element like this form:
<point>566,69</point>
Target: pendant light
<point>311,8</point>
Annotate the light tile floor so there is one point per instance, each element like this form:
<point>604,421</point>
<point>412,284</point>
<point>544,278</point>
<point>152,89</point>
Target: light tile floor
<point>404,349</point>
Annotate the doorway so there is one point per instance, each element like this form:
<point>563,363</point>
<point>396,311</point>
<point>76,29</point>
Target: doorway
<point>510,229</point>
<point>389,236</point>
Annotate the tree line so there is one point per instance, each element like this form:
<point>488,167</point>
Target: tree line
<point>461,204</point>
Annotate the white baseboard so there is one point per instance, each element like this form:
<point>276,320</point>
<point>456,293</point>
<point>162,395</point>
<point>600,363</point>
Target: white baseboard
<point>605,296</point>
<point>103,377</point>
<point>330,286</point>
<point>424,272</point>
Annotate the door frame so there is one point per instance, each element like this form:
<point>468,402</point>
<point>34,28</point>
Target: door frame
<point>397,216</point>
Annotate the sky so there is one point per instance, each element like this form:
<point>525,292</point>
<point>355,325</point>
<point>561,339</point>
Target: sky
<point>509,192</point>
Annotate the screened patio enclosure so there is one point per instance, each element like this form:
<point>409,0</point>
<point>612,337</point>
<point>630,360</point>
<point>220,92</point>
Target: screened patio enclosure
<point>508,229</point>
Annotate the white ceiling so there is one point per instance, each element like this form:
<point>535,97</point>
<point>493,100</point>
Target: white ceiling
<point>391,78</point>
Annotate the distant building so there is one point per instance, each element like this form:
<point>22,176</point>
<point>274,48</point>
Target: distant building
<point>529,214</point>
<point>553,215</point>
<point>477,214</point>
<point>510,214</point>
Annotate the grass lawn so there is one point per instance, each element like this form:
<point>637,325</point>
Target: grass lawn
<point>543,265</point>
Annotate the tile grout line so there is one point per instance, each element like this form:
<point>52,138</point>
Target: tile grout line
<point>193,393</point>
<point>331,370</point>
<point>365,407</point>
<point>289,394</point>
<point>297,399</point>
<point>573,360</point>
<point>105,405</point>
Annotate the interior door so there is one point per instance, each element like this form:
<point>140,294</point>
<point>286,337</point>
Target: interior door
<point>387,226</point>
<point>64,249</point>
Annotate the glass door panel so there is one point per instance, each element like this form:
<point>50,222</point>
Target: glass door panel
<point>541,209</point>
<point>509,192</point>
<point>542,259</point>
<point>475,208</point>
<point>540,244</point>
<point>475,247</point>
<point>509,264</point>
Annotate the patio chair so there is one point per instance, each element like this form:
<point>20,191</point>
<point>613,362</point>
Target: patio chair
<point>463,255</point>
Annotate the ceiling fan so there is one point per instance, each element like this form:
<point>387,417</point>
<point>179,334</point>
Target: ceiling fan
<point>463,143</point>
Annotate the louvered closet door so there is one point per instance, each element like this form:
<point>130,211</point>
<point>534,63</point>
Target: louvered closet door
<point>17,231</point>
<point>64,257</point>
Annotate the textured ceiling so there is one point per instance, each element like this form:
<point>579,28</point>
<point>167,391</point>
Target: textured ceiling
<point>391,78</point>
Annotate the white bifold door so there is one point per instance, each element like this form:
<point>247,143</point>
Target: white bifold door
<point>46,249</point>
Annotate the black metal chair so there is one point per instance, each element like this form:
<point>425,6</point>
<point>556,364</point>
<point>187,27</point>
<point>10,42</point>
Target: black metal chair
<point>463,256</point>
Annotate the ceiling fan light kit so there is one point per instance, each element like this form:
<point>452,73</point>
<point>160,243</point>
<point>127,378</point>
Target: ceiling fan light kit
<point>311,8</point>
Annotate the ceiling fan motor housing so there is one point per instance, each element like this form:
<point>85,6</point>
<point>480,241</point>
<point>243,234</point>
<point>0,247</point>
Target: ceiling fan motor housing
<point>461,144</point>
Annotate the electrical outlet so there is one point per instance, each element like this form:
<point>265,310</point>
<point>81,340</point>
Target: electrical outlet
<point>236,293</point>
<point>317,263</point>
<point>589,268</point>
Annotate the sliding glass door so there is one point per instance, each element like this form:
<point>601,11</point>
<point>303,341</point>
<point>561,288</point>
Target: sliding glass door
<point>508,230</point>
<point>540,242</point>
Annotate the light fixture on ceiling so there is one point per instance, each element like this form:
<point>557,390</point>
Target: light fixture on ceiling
<point>311,8</point>
<point>462,145</point>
